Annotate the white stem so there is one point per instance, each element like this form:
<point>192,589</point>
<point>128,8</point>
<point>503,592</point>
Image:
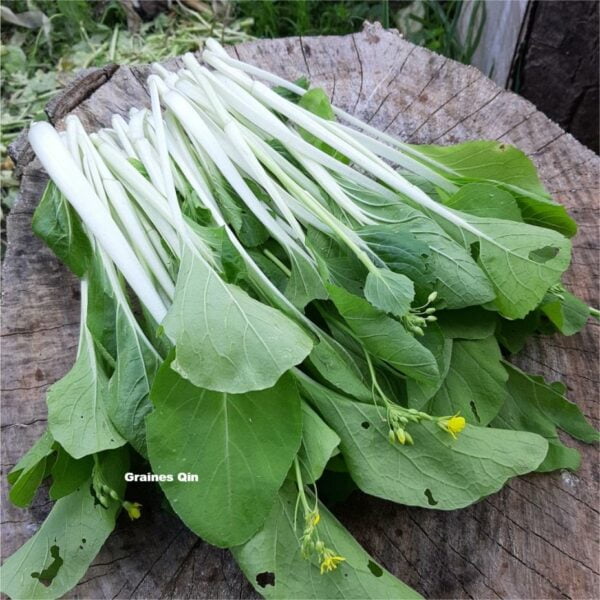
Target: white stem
<point>63,170</point>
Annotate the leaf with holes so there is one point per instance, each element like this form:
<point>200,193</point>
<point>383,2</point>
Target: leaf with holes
<point>52,562</point>
<point>272,561</point>
<point>437,470</point>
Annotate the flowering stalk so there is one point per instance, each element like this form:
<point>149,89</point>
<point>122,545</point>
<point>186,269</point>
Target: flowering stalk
<point>310,541</point>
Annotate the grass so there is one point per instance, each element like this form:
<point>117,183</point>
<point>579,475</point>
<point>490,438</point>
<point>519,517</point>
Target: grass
<point>38,61</point>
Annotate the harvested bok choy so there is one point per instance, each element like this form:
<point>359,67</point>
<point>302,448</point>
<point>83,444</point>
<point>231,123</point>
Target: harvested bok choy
<point>272,289</point>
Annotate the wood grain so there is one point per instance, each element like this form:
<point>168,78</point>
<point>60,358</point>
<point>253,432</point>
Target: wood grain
<point>538,538</point>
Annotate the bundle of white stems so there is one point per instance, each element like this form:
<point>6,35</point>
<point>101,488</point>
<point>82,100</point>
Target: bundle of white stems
<point>206,126</point>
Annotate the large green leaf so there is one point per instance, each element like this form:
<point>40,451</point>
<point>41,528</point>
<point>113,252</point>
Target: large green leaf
<point>475,385</point>
<point>384,337</point>
<point>56,222</point>
<point>77,406</point>
<point>227,341</point>
<point>437,471</point>
<point>272,561</point>
<point>521,261</point>
<point>240,446</point>
<point>504,165</point>
<point>485,200</point>
<point>458,280</point>
<point>534,405</point>
<point>52,562</point>
<point>129,386</point>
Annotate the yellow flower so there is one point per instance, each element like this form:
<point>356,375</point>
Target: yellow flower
<point>313,518</point>
<point>330,561</point>
<point>133,509</point>
<point>453,425</point>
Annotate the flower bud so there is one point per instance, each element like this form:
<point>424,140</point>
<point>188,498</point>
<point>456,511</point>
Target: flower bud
<point>401,436</point>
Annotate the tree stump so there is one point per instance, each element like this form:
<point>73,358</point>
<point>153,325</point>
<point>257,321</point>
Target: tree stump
<point>537,538</point>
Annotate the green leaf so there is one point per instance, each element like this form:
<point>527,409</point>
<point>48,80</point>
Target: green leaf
<point>38,452</point>
<point>514,334</point>
<point>389,291</point>
<point>566,312</point>
<point>520,260</point>
<point>77,412</point>
<point>419,392</point>
<point>403,253</point>
<point>459,281</point>
<point>302,82</point>
<point>57,223</point>
<point>437,471</point>
<point>474,323</point>
<point>485,200</point>
<point>101,308</point>
<point>227,341</point>
<point>52,562</point>
<point>240,446</point>
<point>129,387</point>
<point>317,102</point>
<point>384,337</point>
<point>26,483</point>
<point>338,366</point>
<point>344,268</point>
<point>272,561</point>
<point>511,258</point>
<point>69,473</point>
<point>319,443</point>
<point>504,165</point>
<point>305,283</point>
<point>534,405</point>
<point>475,385</point>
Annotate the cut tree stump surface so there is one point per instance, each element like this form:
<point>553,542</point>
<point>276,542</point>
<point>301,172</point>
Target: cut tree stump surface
<point>537,538</point>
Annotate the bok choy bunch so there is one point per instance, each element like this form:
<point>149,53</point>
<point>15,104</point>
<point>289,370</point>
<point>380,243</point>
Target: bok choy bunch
<point>271,289</point>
